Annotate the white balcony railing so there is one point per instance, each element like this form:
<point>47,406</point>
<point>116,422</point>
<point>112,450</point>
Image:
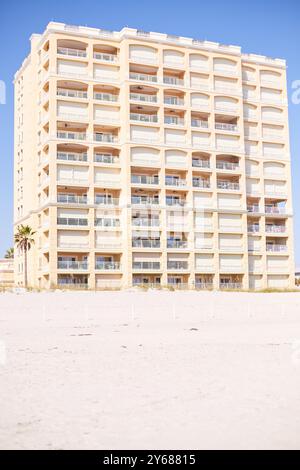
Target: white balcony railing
<point>144,179</point>
<point>137,200</point>
<point>145,222</point>
<point>145,243</point>
<point>143,117</point>
<point>274,210</point>
<point>72,156</point>
<point>173,81</point>
<point>175,181</point>
<point>69,264</point>
<point>226,127</point>
<point>201,183</point>
<point>174,101</point>
<point>109,138</point>
<point>144,77</point>
<point>106,158</point>
<point>275,228</point>
<point>199,123</point>
<point>69,93</point>
<point>198,163</point>
<point>174,120</point>
<point>105,57</point>
<point>71,199</point>
<point>105,97</point>
<point>71,52</point>
<point>227,166</point>
<point>143,97</point>
<point>71,135</point>
<point>228,185</point>
<point>107,265</point>
<point>146,265</point>
<point>101,200</point>
<point>276,248</point>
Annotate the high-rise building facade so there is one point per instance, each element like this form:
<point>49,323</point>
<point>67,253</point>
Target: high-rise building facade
<point>145,158</point>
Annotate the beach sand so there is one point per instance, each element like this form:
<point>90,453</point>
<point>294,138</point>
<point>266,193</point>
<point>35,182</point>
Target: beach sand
<point>149,370</point>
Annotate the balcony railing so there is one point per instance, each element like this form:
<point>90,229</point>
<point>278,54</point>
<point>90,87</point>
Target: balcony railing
<point>69,93</point>
<point>275,210</point>
<point>72,156</point>
<point>173,81</point>
<point>175,202</point>
<point>198,163</point>
<point>146,265</point>
<point>174,120</point>
<point>275,228</point>
<point>143,179</point>
<point>144,77</point>
<point>231,285</point>
<point>110,138</point>
<point>143,117</point>
<point>108,265</point>
<point>173,181</point>
<point>227,185</point>
<point>136,200</point>
<point>226,127</point>
<point>71,135</point>
<point>201,183</point>
<point>145,243</point>
<point>204,285</point>
<point>253,228</point>
<point>105,96</point>
<point>71,199</point>
<point>253,208</point>
<point>71,52</point>
<point>177,265</point>
<point>227,166</point>
<point>174,101</point>
<point>106,57</point>
<point>143,97</point>
<point>106,222</point>
<point>150,222</point>
<point>105,158</point>
<point>199,123</point>
<point>106,201</point>
<point>69,264</point>
<point>176,243</point>
<point>276,248</point>
<point>73,221</point>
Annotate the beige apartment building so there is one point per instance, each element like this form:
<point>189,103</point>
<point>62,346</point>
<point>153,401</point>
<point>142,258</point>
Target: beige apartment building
<point>145,158</point>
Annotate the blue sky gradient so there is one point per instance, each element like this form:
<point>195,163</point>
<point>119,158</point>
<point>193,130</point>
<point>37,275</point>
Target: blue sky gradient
<point>264,27</point>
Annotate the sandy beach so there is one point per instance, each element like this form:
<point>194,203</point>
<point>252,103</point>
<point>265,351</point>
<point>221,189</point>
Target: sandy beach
<point>149,370</point>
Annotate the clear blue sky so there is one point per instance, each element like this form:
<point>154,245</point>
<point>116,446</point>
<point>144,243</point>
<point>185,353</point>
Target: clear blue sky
<point>264,27</point>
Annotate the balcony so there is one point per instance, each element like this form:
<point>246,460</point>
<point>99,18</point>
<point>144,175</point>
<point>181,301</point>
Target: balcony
<point>199,123</point>
<point>145,222</point>
<point>175,202</point>
<point>109,138</point>
<point>143,98</point>
<point>71,52</point>
<point>173,81</point>
<point>275,228</point>
<point>143,77</point>
<point>145,243</point>
<point>106,222</point>
<point>175,181</point>
<point>254,208</point>
<point>70,135</point>
<point>231,286</point>
<point>71,199</point>
<point>201,183</point>
<point>180,244</point>
<point>110,97</point>
<point>198,163</point>
<point>275,210</point>
<point>72,221</point>
<point>74,265</point>
<point>226,127</point>
<point>204,285</point>
<point>105,57</point>
<point>107,265</point>
<point>103,200</point>
<point>144,200</point>
<point>228,185</point>
<point>174,121</point>
<point>72,156</point>
<point>143,117</point>
<point>276,248</point>
<point>177,265</point>
<point>146,265</point>
<point>253,228</point>
<point>227,166</point>
<point>173,101</point>
<point>106,158</point>
<point>69,93</point>
<point>143,179</point>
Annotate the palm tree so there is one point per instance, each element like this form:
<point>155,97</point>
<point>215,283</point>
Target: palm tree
<point>24,239</point>
<point>9,253</point>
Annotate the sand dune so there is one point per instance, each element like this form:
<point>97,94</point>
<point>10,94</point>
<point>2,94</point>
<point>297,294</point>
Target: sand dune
<point>156,370</point>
